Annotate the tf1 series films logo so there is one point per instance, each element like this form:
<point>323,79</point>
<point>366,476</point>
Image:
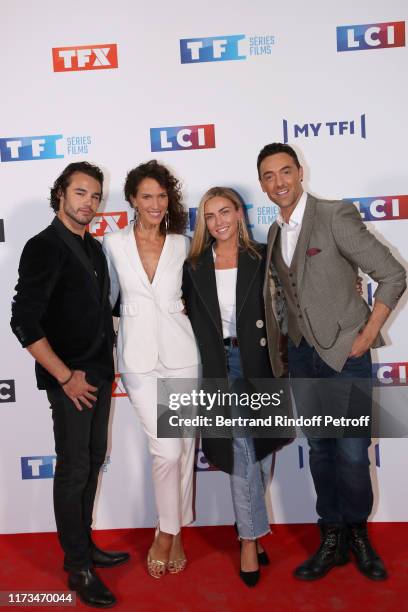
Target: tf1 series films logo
<point>107,222</point>
<point>371,36</point>
<point>224,48</point>
<point>381,208</point>
<point>391,373</point>
<point>182,137</point>
<point>39,467</point>
<point>349,127</point>
<point>86,57</point>
<point>49,146</point>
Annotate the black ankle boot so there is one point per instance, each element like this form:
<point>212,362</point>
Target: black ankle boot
<point>333,550</point>
<point>105,558</point>
<point>90,589</point>
<point>368,562</point>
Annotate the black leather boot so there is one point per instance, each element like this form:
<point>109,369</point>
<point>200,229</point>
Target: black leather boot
<point>105,558</point>
<point>368,561</point>
<point>90,589</point>
<point>333,550</point>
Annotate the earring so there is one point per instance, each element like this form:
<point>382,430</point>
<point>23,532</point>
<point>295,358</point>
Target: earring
<point>136,216</point>
<point>240,230</point>
<point>166,220</point>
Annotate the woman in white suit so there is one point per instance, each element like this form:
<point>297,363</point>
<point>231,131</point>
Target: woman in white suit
<point>156,341</point>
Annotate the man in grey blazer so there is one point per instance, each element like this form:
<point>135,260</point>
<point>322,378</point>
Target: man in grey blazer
<point>315,248</point>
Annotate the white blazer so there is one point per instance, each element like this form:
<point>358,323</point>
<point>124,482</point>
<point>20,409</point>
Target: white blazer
<point>152,325</point>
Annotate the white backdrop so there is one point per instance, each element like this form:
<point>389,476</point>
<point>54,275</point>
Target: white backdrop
<point>278,70</point>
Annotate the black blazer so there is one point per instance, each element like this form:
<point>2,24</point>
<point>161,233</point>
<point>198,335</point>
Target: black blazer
<point>200,294</point>
<point>59,297</point>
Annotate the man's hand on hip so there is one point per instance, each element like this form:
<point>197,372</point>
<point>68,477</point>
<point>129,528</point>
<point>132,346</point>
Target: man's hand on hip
<point>79,390</point>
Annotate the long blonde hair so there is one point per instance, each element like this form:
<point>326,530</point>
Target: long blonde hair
<point>202,238</point>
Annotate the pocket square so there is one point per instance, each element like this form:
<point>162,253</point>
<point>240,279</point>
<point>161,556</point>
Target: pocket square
<point>313,251</point>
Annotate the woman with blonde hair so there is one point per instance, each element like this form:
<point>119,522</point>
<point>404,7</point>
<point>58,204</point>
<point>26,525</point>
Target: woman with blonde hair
<point>222,286</point>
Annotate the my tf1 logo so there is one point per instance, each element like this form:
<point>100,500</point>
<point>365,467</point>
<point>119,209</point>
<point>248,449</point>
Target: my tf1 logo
<point>107,222</point>
<point>325,128</point>
<point>87,57</point>
<point>211,49</point>
<point>371,36</point>
<point>7,391</point>
<point>33,468</point>
<point>391,373</point>
<point>25,148</point>
<point>182,137</point>
<point>381,208</point>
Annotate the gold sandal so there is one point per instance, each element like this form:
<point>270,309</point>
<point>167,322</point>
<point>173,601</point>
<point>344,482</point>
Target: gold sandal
<point>155,567</point>
<point>176,566</point>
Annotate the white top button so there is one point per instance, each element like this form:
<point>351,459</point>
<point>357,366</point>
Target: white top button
<point>262,342</point>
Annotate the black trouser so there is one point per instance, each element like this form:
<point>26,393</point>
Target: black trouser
<point>80,445</point>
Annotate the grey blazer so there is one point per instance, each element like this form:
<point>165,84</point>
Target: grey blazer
<point>332,309</point>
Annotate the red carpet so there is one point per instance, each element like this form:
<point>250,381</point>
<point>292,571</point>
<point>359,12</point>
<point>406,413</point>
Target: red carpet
<point>211,583</point>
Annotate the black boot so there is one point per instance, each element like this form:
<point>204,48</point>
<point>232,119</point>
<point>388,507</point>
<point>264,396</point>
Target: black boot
<point>105,558</point>
<point>90,589</point>
<point>368,562</point>
<point>333,550</point>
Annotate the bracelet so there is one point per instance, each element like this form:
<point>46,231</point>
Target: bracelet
<point>68,379</point>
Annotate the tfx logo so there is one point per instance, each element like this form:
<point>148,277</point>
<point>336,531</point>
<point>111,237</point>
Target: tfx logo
<point>351,127</point>
<point>2,237</point>
<point>391,373</point>
<point>107,222</point>
<point>88,57</point>
<point>33,468</point>
<point>118,390</point>
<point>212,49</point>
<point>382,208</point>
<point>201,462</point>
<point>7,391</point>
<point>24,148</point>
<point>182,137</point>
<point>371,36</point>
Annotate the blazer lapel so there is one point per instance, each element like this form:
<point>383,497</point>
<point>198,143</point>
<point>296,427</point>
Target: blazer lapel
<point>130,248</point>
<point>247,269</point>
<point>73,245</point>
<point>273,232</point>
<point>299,256</point>
<point>164,259</point>
<point>203,277</point>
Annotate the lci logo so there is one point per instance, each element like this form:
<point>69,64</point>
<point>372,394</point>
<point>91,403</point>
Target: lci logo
<point>2,237</point>
<point>7,391</point>
<point>201,463</point>
<point>302,460</point>
<point>223,48</point>
<point>38,467</point>
<point>118,390</point>
<point>371,36</point>
<point>182,137</point>
<point>50,146</point>
<point>382,208</point>
<point>353,127</point>
<point>391,373</point>
<point>107,222</point>
<point>87,57</point>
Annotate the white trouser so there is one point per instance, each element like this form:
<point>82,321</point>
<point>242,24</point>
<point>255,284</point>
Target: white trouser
<point>173,458</point>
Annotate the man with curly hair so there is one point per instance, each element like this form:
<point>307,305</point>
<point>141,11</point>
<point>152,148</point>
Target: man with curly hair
<point>61,314</point>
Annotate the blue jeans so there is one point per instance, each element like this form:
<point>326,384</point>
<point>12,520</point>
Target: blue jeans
<point>340,466</point>
<point>250,477</point>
